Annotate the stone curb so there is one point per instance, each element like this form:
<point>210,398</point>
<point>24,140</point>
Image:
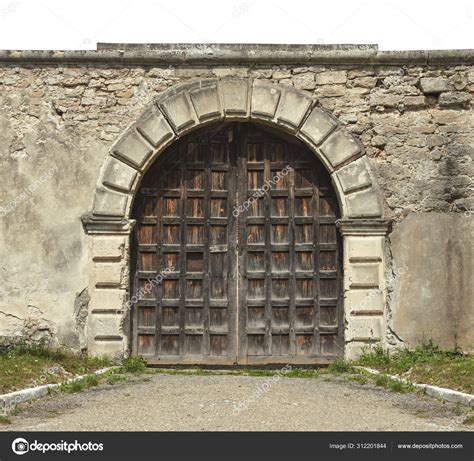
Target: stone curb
<point>13,398</point>
<point>434,391</point>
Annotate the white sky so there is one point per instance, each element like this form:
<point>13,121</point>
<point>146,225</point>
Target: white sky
<point>398,24</point>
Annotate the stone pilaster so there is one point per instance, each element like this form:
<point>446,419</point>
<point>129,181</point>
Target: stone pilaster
<point>108,324</point>
<point>364,287</point>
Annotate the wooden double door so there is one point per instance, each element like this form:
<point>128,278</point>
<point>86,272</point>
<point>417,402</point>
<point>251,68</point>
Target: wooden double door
<point>235,254</point>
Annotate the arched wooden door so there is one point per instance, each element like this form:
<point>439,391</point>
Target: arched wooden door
<point>235,255</point>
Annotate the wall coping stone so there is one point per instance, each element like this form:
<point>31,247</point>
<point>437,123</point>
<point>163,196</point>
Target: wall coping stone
<point>244,54</point>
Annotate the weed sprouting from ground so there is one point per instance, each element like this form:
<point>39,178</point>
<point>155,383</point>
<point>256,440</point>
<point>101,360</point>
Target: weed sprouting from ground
<point>340,366</point>
<point>469,421</point>
<point>359,379</point>
<point>136,364</point>
<point>114,379</point>
<point>4,420</point>
<point>80,384</point>
<point>399,386</point>
<point>75,386</point>
<point>382,380</point>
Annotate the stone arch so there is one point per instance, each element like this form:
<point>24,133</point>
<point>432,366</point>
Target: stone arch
<point>188,106</point>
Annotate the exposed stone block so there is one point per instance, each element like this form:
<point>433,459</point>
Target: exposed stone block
<point>109,203</point>
<point>264,99</point>
<point>434,85</point>
<point>179,112</point>
<point>292,108</point>
<point>118,174</point>
<point>155,128</point>
<point>281,73</point>
<point>454,99</point>
<point>365,82</point>
<point>379,141</point>
<point>235,96</point>
<point>304,81</point>
<point>318,125</point>
<point>414,102</point>
<point>331,77</point>
<point>206,102</point>
<point>385,100</point>
<point>339,147</point>
<point>133,148</point>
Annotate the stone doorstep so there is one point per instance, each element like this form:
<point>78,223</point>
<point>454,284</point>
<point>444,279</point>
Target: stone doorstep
<point>434,391</point>
<point>40,391</point>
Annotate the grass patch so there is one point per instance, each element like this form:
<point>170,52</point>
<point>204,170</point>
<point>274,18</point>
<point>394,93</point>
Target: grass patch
<point>401,387</point>
<point>426,364</point>
<point>359,379</point>
<point>81,384</point>
<point>75,386</point>
<point>114,379</point>
<point>382,380</point>
<point>4,420</point>
<point>340,366</point>
<point>469,421</point>
<point>30,366</point>
<point>393,384</point>
<point>136,364</point>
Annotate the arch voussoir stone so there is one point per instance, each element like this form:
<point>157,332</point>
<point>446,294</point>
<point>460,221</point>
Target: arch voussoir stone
<point>207,103</point>
<point>317,126</point>
<point>118,175</point>
<point>339,147</point>
<point>154,127</point>
<point>235,98</point>
<point>109,203</point>
<point>133,148</point>
<point>292,108</point>
<point>188,106</point>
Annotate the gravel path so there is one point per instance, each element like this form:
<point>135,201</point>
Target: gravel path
<point>221,403</point>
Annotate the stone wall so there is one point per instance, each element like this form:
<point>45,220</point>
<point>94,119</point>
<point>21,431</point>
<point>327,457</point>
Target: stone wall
<point>58,121</point>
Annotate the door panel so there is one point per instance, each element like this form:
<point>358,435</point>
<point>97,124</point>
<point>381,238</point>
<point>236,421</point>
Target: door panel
<point>184,221</point>
<point>285,249</point>
<point>245,222</point>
